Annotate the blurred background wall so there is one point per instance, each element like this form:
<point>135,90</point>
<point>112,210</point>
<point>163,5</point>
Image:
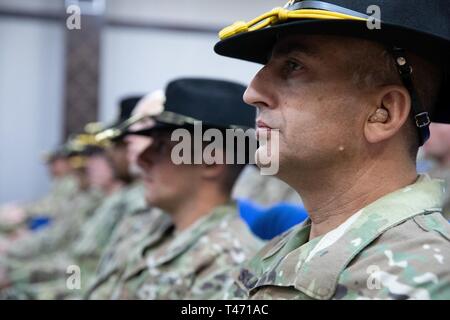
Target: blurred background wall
<point>143,44</point>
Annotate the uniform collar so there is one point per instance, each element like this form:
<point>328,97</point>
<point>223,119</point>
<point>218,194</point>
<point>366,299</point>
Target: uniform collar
<point>314,267</point>
<point>173,246</point>
<point>187,238</point>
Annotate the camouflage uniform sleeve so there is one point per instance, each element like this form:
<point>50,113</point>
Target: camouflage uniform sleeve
<point>117,246</point>
<point>215,279</point>
<point>62,191</point>
<point>45,241</point>
<point>21,274</point>
<point>392,268</point>
<point>59,235</point>
<point>97,232</point>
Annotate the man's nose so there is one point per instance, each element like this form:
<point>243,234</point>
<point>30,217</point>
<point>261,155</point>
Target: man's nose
<point>259,92</point>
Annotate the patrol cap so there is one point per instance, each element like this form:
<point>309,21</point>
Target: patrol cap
<point>420,26</point>
<point>214,103</point>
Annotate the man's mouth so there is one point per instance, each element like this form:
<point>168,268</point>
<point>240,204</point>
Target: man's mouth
<point>263,130</point>
<point>262,125</point>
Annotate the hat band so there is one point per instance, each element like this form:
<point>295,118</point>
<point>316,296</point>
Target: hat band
<point>81,141</point>
<point>180,120</point>
<point>113,133</point>
<point>106,135</point>
<point>320,5</point>
<point>175,118</point>
<point>300,10</point>
<point>77,162</point>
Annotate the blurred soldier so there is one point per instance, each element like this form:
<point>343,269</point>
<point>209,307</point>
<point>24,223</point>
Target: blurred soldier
<point>437,149</point>
<point>64,184</point>
<point>350,99</point>
<point>191,257</point>
<point>66,226</point>
<point>64,187</point>
<point>129,199</point>
<point>58,163</point>
<point>144,223</point>
<point>36,249</point>
<point>108,171</point>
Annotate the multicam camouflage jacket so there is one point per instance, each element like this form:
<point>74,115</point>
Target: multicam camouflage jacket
<point>45,278</point>
<point>98,229</point>
<point>192,264</point>
<point>64,229</point>
<point>147,226</point>
<point>396,248</point>
<point>62,190</point>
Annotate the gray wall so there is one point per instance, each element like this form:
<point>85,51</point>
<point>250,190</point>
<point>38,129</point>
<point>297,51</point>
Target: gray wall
<point>31,92</point>
<point>142,61</point>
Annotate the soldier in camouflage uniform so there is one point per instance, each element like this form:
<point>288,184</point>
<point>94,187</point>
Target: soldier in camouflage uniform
<point>46,276</point>
<point>62,230</point>
<point>143,223</point>
<point>366,257</point>
<point>124,196</point>
<point>63,188</point>
<point>64,184</point>
<point>437,149</point>
<point>63,226</point>
<point>351,98</point>
<point>191,256</point>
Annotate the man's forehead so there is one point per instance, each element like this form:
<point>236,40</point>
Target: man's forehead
<point>315,45</point>
<point>306,45</point>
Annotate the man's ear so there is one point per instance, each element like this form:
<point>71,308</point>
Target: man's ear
<point>387,117</point>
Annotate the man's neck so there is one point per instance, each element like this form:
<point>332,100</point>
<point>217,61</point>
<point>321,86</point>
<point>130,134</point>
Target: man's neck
<point>195,207</point>
<point>332,197</point>
<point>446,162</point>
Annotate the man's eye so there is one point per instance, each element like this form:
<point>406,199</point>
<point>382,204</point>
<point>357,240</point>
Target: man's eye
<point>293,66</point>
<point>161,146</point>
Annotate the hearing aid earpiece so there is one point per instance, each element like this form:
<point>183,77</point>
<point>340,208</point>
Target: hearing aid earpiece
<point>380,115</point>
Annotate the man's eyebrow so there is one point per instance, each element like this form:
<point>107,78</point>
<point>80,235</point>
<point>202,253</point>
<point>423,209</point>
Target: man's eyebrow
<point>292,47</point>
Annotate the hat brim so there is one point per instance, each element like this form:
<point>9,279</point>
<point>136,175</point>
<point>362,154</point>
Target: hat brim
<point>148,132</point>
<point>256,46</point>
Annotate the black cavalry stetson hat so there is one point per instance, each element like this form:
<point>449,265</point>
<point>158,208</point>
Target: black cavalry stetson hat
<point>126,108</point>
<point>214,103</point>
<point>114,131</point>
<point>417,25</point>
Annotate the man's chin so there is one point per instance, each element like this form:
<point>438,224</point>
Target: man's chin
<point>267,163</point>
